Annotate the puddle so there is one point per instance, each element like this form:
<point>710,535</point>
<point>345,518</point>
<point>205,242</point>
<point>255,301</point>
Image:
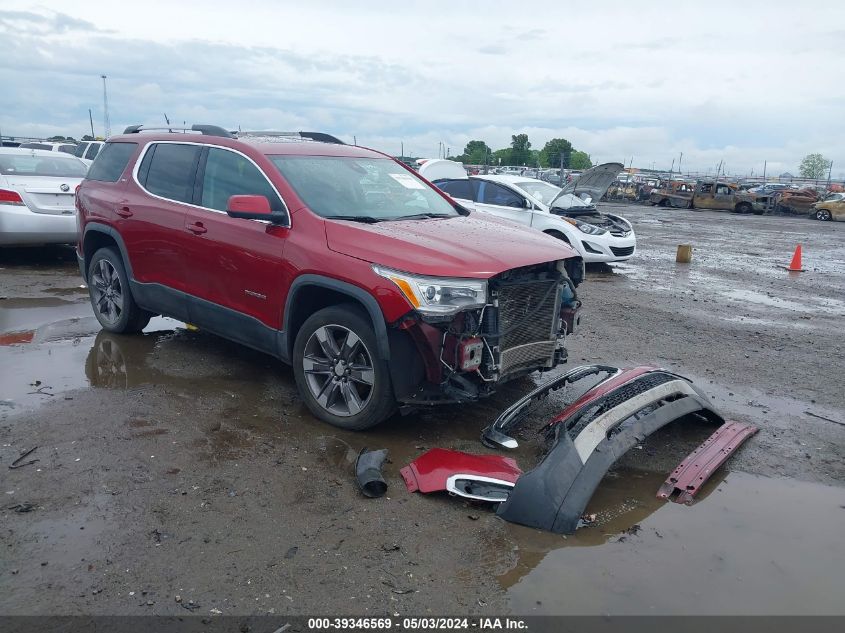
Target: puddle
<point>749,545</point>
<point>61,355</point>
<point>28,315</point>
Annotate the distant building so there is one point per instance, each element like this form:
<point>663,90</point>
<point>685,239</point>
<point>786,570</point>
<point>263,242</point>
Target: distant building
<point>786,174</point>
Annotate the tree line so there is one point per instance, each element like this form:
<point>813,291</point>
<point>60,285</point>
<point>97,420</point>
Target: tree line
<point>558,152</point>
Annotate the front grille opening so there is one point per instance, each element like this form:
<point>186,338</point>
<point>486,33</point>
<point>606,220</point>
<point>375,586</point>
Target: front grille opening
<point>527,319</point>
<point>622,251</point>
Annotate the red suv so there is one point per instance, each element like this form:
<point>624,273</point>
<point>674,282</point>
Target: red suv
<point>379,289</point>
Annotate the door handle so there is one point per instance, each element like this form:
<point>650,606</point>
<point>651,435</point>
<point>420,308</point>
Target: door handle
<point>124,212</point>
<point>197,228</point>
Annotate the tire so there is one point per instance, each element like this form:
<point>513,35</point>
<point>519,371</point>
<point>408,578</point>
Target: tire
<point>325,369</point>
<point>111,297</point>
<point>743,207</point>
<point>823,215</point>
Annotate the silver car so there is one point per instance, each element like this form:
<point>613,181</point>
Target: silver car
<point>37,189</point>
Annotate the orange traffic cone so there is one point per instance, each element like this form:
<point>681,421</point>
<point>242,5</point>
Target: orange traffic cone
<point>795,264</point>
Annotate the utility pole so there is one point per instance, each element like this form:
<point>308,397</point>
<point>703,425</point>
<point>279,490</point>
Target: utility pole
<point>680,158</point>
<point>355,140</point>
<point>764,172</point>
<point>91,121</point>
<point>829,170</point>
<point>671,170</point>
<point>402,145</point>
<point>106,122</point>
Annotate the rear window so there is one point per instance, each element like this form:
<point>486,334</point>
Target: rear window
<point>172,170</point>
<point>32,165</point>
<point>93,149</point>
<point>80,150</point>
<point>36,146</point>
<point>67,149</point>
<point>111,162</point>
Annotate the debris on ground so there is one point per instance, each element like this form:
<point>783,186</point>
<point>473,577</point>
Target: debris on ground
<point>22,507</point>
<point>368,475</point>
<point>821,417</point>
<point>17,463</point>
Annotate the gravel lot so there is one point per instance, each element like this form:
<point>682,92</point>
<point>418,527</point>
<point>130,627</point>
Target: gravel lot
<point>176,464</point>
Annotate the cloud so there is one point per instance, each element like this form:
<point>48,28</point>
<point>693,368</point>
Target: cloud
<point>28,22</point>
<point>601,76</point>
<point>492,49</point>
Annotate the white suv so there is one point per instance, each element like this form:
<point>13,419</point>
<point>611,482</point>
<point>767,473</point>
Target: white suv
<point>87,151</point>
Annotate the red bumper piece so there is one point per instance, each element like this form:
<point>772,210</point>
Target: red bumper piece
<point>698,466</point>
<point>429,472</point>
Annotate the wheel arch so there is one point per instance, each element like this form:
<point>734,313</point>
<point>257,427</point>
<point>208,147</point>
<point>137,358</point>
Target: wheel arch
<point>310,293</point>
<point>98,236</point>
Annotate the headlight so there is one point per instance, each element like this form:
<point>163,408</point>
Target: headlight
<point>437,295</point>
<point>589,229</point>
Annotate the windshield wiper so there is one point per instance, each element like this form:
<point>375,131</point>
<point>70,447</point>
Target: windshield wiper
<point>422,216</point>
<point>366,219</point>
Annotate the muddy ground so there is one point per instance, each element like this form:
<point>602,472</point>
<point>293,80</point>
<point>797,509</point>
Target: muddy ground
<point>176,464</point>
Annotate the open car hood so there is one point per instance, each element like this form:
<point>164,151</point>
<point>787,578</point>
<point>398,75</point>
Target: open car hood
<point>593,183</point>
<point>441,169</point>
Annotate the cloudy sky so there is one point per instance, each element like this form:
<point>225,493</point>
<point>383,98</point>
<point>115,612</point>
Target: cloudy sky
<point>743,82</point>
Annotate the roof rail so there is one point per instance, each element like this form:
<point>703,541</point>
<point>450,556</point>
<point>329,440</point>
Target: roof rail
<point>206,130</point>
<point>320,137</point>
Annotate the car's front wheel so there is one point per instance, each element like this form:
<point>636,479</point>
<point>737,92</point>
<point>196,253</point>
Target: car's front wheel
<point>338,370</point>
<point>111,298</point>
<point>823,215</point>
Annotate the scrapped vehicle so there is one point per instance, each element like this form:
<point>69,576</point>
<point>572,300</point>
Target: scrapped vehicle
<point>87,151</point>
<point>36,196</point>
<point>567,214</point>
<point>674,193</point>
<point>795,201</point>
<point>378,289</point>
<point>831,208</point>
<point>717,195</point>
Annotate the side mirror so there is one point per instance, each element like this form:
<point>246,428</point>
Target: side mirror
<point>249,208</point>
<point>527,204</point>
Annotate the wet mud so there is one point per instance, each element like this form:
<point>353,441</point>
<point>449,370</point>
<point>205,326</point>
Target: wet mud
<point>176,463</point>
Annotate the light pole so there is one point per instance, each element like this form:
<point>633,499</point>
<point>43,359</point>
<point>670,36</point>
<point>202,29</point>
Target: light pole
<point>106,122</point>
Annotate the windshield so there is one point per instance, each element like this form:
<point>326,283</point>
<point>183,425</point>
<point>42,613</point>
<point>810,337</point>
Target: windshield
<point>541,191</point>
<point>33,165</point>
<point>366,189</point>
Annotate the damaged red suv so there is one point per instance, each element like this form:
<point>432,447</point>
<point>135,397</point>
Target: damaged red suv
<point>380,290</point>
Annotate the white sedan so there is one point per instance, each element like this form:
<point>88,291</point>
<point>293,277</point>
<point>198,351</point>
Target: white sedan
<point>37,189</point>
<point>567,213</point>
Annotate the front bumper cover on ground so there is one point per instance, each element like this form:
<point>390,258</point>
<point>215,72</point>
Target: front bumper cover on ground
<point>587,437</point>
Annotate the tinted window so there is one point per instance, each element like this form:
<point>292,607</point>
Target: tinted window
<point>498,195</point>
<point>91,154</point>
<point>111,161</point>
<point>67,149</point>
<point>80,150</point>
<point>36,146</point>
<point>172,171</point>
<point>230,174</point>
<point>456,188</point>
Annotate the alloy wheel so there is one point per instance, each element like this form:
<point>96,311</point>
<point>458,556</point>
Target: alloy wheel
<point>823,214</point>
<point>107,291</point>
<point>339,370</point>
